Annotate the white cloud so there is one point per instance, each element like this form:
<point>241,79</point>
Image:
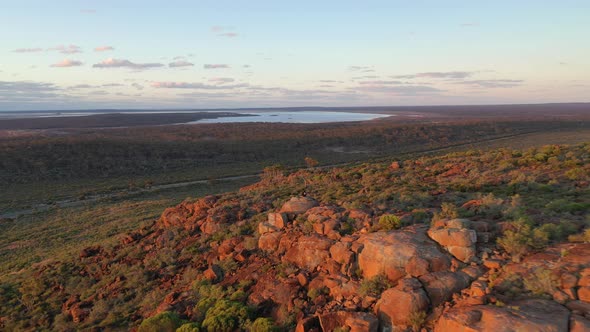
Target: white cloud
<point>66,49</point>
<point>215,66</point>
<point>28,50</point>
<point>67,63</point>
<point>104,48</point>
<point>180,63</point>
<point>124,63</point>
<point>500,83</point>
<point>447,75</point>
<point>203,86</point>
<point>221,80</point>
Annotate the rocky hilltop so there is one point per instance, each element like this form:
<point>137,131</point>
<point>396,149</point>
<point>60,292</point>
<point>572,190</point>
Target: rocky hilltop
<point>476,241</point>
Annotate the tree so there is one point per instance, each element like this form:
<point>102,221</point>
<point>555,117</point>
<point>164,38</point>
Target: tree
<point>310,162</point>
<point>162,322</point>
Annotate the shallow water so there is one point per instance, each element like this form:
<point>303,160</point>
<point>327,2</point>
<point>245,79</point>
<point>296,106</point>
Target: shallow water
<point>296,117</point>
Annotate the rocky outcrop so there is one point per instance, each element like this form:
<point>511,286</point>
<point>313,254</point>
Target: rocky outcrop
<point>269,241</point>
<point>309,252</point>
<point>76,309</point>
<point>352,321</point>
<point>187,214</point>
<point>455,236</point>
<point>527,315</point>
<point>399,253</point>
<point>441,285</point>
<point>275,222</point>
<point>299,205</point>
<point>398,304</point>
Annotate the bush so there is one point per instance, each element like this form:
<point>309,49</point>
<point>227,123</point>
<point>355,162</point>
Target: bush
<point>163,322</point>
<point>541,282</point>
<point>519,241</point>
<point>263,324</point>
<point>374,286</point>
<point>576,174</point>
<point>226,316</point>
<point>447,211</point>
<point>417,320</point>
<point>582,237</point>
<point>188,327</point>
<point>313,293</point>
<point>389,222</point>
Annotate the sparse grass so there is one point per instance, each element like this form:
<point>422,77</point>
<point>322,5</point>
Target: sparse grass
<point>374,286</point>
<point>417,319</point>
<point>61,233</point>
<point>541,282</point>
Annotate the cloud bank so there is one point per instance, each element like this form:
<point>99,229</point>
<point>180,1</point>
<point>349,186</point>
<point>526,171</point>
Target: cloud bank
<point>67,63</point>
<point>124,63</point>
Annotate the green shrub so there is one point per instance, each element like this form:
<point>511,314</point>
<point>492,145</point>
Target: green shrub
<point>582,237</point>
<point>420,216</point>
<point>559,232</point>
<point>417,319</point>
<point>263,324</point>
<point>576,174</point>
<point>521,239</point>
<point>313,293</point>
<point>374,286</point>
<point>389,222</point>
<point>541,282</point>
<point>226,316</point>
<point>342,329</point>
<point>188,327</point>
<point>163,322</point>
<point>447,211</point>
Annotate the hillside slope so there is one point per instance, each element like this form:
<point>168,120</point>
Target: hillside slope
<point>479,241</point>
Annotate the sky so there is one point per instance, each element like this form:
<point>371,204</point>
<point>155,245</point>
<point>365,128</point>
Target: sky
<point>90,54</point>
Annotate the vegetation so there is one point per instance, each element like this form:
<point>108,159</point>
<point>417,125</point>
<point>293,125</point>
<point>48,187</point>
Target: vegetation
<point>163,322</point>
<point>417,319</point>
<point>541,282</point>
<point>374,286</point>
<point>388,222</point>
<point>44,167</point>
<point>121,282</point>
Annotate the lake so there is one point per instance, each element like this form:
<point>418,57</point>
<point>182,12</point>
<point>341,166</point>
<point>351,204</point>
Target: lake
<point>296,117</point>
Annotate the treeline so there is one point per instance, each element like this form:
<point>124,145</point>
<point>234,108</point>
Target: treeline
<point>156,150</point>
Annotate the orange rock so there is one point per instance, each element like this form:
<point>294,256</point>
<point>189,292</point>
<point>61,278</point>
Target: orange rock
<point>455,237</point>
<point>278,220</point>
<point>440,286</point>
<point>579,324</point>
<point>389,253</point>
<point>478,288</point>
<point>397,304</point>
<point>584,281</point>
<point>584,294</point>
<point>269,241</point>
<point>354,321</point>
<point>528,315</point>
<point>493,264</point>
<point>309,252</point>
<point>298,205</point>
<point>341,253</point>
<point>213,273</point>
<point>302,279</point>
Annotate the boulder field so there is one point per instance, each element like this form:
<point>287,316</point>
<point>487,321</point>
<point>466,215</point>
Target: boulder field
<point>304,261</point>
<point>437,278</point>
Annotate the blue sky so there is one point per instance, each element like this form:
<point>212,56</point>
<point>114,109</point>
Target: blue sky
<point>212,54</point>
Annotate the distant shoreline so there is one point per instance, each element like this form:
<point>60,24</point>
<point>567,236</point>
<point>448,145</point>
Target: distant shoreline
<point>107,120</point>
